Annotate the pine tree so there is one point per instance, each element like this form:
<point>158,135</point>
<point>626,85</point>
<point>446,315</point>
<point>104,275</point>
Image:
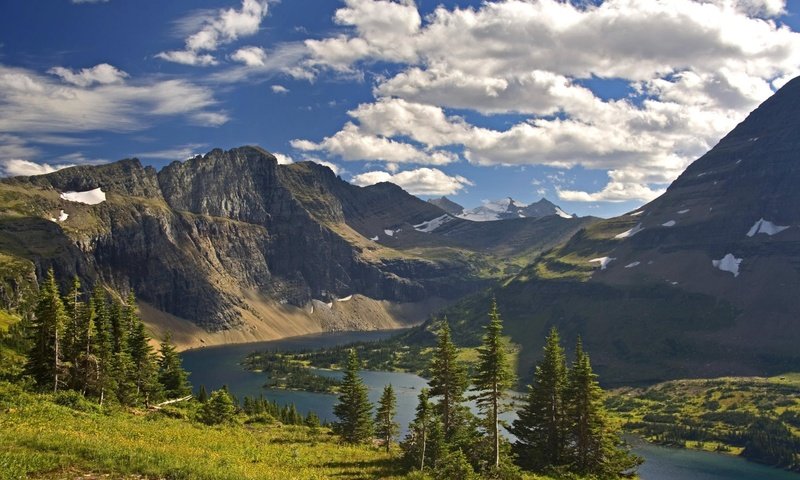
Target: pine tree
<point>171,375</point>
<point>415,445</point>
<point>45,357</point>
<point>540,426</point>
<point>202,397</point>
<point>594,446</point>
<point>86,367</point>
<point>354,408</point>
<point>145,373</point>
<point>386,427</point>
<point>492,378</point>
<point>448,379</point>
<point>102,344</point>
<point>74,310</point>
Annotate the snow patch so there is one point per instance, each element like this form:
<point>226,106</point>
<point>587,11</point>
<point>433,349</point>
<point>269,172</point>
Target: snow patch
<point>375,238</point>
<point>671,223</point>
<point>63,216</point>
<point>431,225</point>
<point>728,263</point>
<point>604,261</point>
<point>681,212</point>
<point>634,264</point>
<point>765,226</point>
<point>389,232</point>
<point>636,214</point>
<point>89,197</point>
<point>345,299</point>
<point>629,233</point>
<point>560,213</point>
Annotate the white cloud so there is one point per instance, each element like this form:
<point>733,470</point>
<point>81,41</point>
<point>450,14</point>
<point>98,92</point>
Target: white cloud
<point>695,69</point>
<point>180,152</point>
<point>283,159</point>
<point>34,104</point>
<point>352,144</point>
<point>280,89</point>
<point>226,26</point>
<point>422,181</point>
<point>250,56</point>
<point>103,74</point>
<point>16,167</point>
<point>336,169</point>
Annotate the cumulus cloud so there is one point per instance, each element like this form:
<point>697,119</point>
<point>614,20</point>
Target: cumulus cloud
<point>18,167</point>
<point>283,159</point>
<point>421,181</point>
<point>694,69</point>
<point>279,89</point>
<point>353,144</point>
<point>103,74</point>
<point>224,27</point>
<point>250,56</point>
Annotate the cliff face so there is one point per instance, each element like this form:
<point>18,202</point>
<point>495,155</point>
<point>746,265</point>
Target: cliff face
<point>216,237</point>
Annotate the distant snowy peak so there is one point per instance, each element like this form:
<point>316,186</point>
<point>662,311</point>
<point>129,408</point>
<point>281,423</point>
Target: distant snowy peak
<point>508,208</point>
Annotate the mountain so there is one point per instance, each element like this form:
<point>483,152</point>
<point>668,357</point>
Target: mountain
<point>701,281</point>
<point>509,208</point>
<point>231,246</point>
<point>447,205</point>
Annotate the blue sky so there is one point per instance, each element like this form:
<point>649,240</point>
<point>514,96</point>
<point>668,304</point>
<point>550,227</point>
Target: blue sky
<point>595,105</point>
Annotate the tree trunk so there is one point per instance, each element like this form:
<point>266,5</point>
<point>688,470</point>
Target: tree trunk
<point>422,461</point>
<point>495,427</point>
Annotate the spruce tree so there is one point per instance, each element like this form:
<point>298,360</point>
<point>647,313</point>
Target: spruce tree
<point>74,310</point>
<point>493,376</point>
<point>202,397</point>
<point>354,409</point>
<point>448,379</point>
<point>218,409</point>
<point>171,375</point>
<point>540,426</point>
<point>102,344</point>
<point>594,446</point>
<point>45,357</point>
<point>86,367</point>
<point>415,445</point>
<point>145,373</point>
<point>386,427</point>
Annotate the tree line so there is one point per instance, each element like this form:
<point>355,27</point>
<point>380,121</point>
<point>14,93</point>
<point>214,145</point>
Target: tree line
<point>98,346</point>
<point>562,427</point>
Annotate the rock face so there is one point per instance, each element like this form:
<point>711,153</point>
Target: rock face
<point>215,237</point>
<point>701,281</point>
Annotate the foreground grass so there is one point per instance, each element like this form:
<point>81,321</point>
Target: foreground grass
<point>40,437</point>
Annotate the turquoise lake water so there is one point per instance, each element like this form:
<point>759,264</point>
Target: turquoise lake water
<point>217,366</point>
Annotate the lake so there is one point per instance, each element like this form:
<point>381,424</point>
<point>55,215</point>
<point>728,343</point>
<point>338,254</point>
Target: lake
<point>217,366</point>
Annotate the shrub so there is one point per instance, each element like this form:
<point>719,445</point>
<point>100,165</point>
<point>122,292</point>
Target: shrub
<point>218,409</point>
<point>76,401</point>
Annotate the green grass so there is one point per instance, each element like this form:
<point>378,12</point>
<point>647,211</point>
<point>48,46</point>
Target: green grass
<point>40,437</point>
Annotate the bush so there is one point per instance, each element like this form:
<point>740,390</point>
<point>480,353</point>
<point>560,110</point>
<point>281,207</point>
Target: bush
<point>455,466</point>
<point>76,401</point>
<point>260,418</point>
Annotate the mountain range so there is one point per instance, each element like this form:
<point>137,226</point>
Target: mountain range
<point>504,209</point>
<point>231,246</point>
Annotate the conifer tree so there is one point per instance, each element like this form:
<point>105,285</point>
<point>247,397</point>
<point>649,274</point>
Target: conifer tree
<point>386,427</point>
<point>448,379</point>
<point>202,397</point>
<point>74,310</point>
<point>86,367</point>
<point>594,446</point>
<point>45,356</point>
<point>493,376</point>
<point>171,375</point>
<point>415,445</point>
<point>540,426</point>
<point>354,409</point>
<point>145,369</point>
<point>218,409</point>
<point>103,349</point>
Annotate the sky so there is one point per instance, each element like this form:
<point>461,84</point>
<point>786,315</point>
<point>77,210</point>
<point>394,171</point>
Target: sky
<point>595,105</point>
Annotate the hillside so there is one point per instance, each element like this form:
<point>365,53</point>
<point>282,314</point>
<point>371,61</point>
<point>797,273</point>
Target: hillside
<point>699,282</point>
